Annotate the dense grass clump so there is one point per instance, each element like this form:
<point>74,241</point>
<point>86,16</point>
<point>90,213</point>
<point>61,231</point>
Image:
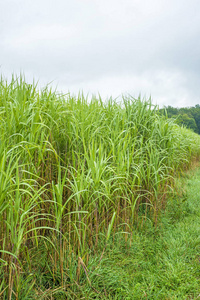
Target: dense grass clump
<point>72,171</point>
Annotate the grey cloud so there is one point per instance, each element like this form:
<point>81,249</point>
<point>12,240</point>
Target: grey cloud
<point>91,42</point>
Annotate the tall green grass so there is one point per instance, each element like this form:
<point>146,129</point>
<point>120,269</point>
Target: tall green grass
<point>72,172</point>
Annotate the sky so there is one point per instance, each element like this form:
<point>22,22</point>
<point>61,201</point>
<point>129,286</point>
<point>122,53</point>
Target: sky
<point>108,47</point>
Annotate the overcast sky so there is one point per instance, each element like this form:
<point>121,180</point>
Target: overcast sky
<point>111,47</point>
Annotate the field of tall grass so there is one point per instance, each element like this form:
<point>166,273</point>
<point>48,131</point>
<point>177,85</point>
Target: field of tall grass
<point>73,175</point>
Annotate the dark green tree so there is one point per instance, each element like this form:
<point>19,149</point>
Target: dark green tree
<point>184,119</point>
<point>187,116</point>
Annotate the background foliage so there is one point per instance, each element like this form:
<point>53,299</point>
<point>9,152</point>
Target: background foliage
<point>187,116</point>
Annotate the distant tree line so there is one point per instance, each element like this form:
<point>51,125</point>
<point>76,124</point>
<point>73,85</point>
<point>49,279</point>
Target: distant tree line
<point>187,116</point>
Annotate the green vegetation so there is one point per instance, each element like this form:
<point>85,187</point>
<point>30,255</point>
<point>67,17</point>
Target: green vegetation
<point>76,178</point>
<point>161,263</point>
<point>187,116</point>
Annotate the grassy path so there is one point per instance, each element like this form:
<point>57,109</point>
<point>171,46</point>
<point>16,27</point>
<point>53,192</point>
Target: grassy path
<point>162,263</point>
